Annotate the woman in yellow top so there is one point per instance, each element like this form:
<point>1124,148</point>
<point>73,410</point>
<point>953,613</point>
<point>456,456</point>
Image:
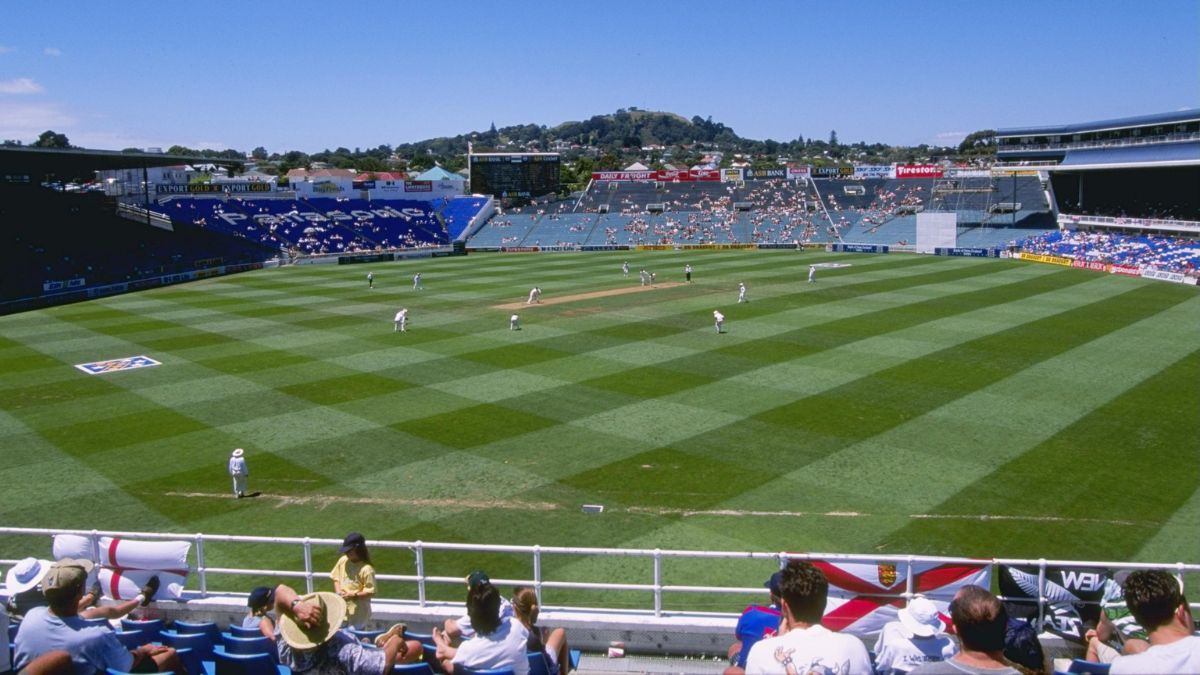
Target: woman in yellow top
<point>354,579</point>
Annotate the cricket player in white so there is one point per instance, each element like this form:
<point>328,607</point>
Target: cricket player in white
<point>239,471</point>
<point>812,274</point>
<point>417,281</point>
<point>644,277</point>
<point>625,268</point>
<point>370,280</point>
<point>719,319</point>
<point>514,322</point>
<point>535,295</point>
<point>742,292</point>
<point>401,321</point>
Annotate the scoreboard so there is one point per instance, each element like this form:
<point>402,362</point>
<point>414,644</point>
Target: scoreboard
<point>515,176</point>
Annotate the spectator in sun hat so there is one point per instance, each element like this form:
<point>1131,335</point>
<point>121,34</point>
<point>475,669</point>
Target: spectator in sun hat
<point>58,626</point>
<point>354,579</point>
<point>461,627</point>
<point>755,623</point>
<point>917,637</point>
<point>981,623</point>
<point>308,638</point>
<point>23,586</point>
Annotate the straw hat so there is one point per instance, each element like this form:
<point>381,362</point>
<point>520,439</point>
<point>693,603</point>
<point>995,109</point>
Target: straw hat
<point>333,613</point>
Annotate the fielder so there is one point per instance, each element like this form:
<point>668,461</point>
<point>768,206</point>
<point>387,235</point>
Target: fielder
<point>514,322</point>
<point>239,472</point>
<point>401,321</point>
<point>417,281</point>
<point>687,272</point>
<point>742,293</point>
<point>812,274</point>
<point>625,268</point>
<point>719,319</point>
<point>535,295</point>
<point>370,280</point>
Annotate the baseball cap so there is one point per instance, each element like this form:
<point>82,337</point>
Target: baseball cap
<point>66,574</point>
<point>773,583</point>
<point>261,596</point>
<point>921,618</point>
<point>352,540</point>
<point>477,578</point>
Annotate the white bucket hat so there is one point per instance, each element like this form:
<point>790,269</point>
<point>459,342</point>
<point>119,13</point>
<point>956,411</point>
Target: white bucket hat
<point>26,574</point>
<point>239,452</point>
<point>921,618</point>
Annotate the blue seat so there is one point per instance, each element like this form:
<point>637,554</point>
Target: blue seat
<point>246,664</point>
<point>209,628</point>
<point>539,664</point>
<point>111,671</point>
<point>1084,667</point>
<point>200,643</point>
<point>254,645</point>
<point>191,660</point>
<point>239,631</point>
<point>151,627</point>
<point>365,635</point>
<point>413,669</point>
<point>132,639</point>
<point>463,670</point>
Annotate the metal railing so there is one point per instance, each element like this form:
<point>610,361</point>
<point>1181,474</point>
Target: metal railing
<point>656,558</point>
<point>1104,143</point>
<point>1074,219</point>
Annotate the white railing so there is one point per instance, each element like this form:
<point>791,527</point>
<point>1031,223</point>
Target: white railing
<point>1075,220</point>
<point>656,559</point>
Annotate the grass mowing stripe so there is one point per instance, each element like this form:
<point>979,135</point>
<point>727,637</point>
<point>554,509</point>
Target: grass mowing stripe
<point>1151,426</point>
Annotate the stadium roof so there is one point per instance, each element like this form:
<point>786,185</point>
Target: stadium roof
<point>1176,117</point>
<point>78,162</point>
<point>1136,156</point>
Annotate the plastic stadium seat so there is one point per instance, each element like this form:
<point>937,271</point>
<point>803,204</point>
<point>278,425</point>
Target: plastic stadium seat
<point>200,643</point>
<point>151,627</point>
<point>463,670</point>
<point>254,645</point>
<point>365,635</point>
<point>1084,667</point>
<point>413,669</point>
<point>246,664</point>
<point>209,628</point>
<point>132,639</point>
<point>539,664</point>
<point>190,660</point>
<point>110,671</point>
<point>238,631</point>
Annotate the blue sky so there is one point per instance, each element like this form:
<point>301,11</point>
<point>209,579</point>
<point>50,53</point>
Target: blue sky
<point>306,76</point>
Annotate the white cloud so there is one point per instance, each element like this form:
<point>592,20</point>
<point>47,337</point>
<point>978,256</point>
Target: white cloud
<point>20,85</point>
<point>52,51</point>
<point>24,121</point>
<point>949,137</point>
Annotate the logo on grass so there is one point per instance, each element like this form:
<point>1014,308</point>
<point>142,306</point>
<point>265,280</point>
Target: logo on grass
<point>127,363</point>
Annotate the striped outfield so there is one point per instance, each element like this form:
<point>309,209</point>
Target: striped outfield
<point>902,404</point>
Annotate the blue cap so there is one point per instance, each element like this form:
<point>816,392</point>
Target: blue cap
<point>261,596</point>
<point>773,583</point>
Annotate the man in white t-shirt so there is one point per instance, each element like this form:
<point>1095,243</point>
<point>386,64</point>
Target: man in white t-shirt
<point>804,645</point>
<point>918,637</point>
<point>402,320</point>
<point>718,320</point>
<point>1158,604</point>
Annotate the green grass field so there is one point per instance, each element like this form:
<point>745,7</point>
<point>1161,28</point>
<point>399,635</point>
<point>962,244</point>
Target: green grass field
<point>903,404</point>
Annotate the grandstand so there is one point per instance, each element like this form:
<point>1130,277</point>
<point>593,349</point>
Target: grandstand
<point>992,211</point>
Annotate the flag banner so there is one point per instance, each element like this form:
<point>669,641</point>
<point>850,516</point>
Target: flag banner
<point>865,596</point>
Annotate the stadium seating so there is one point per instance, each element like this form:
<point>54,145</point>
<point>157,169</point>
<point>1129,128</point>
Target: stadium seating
<point>200,643</point>
<point>1162,253</point>
<point>458,212</point>
<point>151,628</point>
<point>246,664</point>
